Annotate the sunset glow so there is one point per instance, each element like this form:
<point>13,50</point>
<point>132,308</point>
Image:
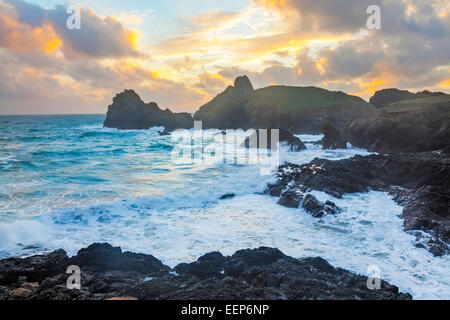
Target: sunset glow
<point>182,55</point>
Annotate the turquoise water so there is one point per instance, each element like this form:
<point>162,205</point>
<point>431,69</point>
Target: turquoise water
<point>66,182</point>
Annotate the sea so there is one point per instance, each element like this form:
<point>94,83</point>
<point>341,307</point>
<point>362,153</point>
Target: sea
<point>67,182</point>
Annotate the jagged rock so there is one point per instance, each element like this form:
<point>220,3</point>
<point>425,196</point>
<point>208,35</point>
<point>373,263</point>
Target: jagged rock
<point>226,110</point>
<point>128,111</point>
<point>424,179</point>
<point>34,269</point>
<point>264,273</point>
<point>294,143</point>
<point>332,137</point>
<point>122,299</point>
<point>102,256</point>
<point>317,209</point>
<point>291,198</point>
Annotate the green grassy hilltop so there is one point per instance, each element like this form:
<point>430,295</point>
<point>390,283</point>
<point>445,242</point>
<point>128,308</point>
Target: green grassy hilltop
<point>296,98</point>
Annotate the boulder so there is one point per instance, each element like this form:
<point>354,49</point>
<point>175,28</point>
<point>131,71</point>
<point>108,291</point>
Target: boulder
<point>291,198</point>
<point>104,257</point>
<point>317,209</point>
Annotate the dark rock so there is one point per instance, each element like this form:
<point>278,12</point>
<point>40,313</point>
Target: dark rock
<point>104,257</point>
<point>291,198</point>
<point>128,111</point>
<point>208,266</point>
<point>415,125</point>
<point>226,110</point>
<point>332,138</point>
<point>228,196</point>
<point>263,273</point>
<point>421,180</point>
<point>317,209</point>
<point>294,143</point>
<point>34,269</point>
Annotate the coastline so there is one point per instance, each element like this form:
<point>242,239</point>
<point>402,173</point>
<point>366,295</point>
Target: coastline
<point>109,273</point>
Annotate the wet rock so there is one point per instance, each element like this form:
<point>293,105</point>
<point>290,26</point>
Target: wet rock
<point>35,268</point>
<point>104,257</point>
<point>332,137</point>
<point>318,209</point>
<point>207,266</point>
<point>313,206</point>
<point>228,196</point>
<point>294,143</point>
<point>291,198</point>
<point>418,181</point>
<point>263,273</point>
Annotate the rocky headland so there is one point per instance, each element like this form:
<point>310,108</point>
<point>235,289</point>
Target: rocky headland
<point>296,109</point>
<point>109,273</point>
<point>128,111</point>
<point>412,125</point>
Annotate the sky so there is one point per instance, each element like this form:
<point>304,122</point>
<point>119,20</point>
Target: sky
<point>180,54</point>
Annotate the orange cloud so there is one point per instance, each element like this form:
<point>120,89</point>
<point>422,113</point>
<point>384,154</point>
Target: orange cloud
<point>445,84</point>
<point>24,38</point>
<point>369,88</point>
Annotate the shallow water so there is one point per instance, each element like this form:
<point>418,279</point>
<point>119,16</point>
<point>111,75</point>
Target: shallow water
<point>66,182</point>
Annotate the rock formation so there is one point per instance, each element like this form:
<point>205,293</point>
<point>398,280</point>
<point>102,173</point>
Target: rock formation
<point>294,143</point>
<point>332,137</point>
<point>425,179</point>
<point>226,110</point>
<point>413,125</point>
<point>128,111</point>
<point>263,273</point>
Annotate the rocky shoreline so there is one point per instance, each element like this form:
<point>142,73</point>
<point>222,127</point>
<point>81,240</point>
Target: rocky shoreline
<point>109,273</point>
<point>420,182</point>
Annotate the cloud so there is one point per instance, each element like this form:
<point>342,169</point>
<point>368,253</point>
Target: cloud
<point>98,37</point>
